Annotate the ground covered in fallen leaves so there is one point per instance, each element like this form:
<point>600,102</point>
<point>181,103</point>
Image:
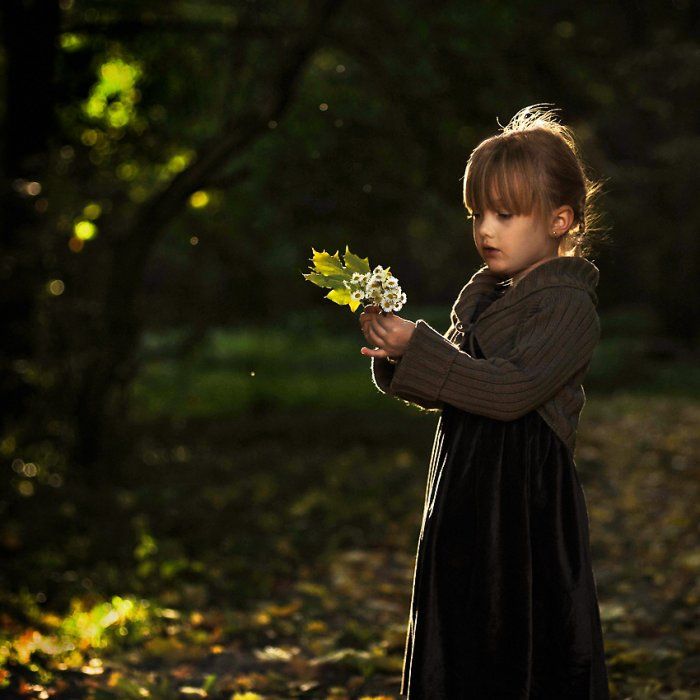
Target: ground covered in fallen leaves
<point>271,557</point>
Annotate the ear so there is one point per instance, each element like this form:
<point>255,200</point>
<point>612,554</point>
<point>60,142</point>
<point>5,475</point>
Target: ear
<point>562,219</point>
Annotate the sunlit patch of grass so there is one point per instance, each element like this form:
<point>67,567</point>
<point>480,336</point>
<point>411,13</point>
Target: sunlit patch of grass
<point>162,390</point>
<point>234,370</point>
<point>48,644</point>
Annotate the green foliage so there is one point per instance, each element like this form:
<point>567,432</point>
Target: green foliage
<point>329,271</point>
<point>113,97</point>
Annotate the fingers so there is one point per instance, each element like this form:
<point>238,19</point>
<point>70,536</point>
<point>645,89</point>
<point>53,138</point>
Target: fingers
<point>384,321</point>
<point>377,352</point>
<point>369,313</point>
<point>373,329</point>
<point>373,336</point>
<point>373,316</point>
<point>372,309</point>
<point>365,324</point>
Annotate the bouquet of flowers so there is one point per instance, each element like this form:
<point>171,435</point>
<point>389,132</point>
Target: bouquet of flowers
<point>354,282</point>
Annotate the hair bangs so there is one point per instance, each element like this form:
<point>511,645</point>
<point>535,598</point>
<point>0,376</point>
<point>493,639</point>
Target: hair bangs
<point>530,168</point>
<point>501,176</point>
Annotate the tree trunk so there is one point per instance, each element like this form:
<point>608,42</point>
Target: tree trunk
<point>29,31</point>
<point>101,402</point>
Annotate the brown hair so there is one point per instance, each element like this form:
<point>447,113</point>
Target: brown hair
<point>534,165</point>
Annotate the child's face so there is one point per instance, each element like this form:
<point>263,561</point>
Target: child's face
<point>521,243</point>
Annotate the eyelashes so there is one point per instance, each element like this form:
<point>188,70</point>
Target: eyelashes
<point>502,215</point>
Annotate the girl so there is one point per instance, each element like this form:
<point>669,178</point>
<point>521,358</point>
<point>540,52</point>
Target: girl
<point>504,600</point>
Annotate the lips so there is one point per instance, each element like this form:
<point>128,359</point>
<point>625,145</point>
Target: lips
<point>490,249</point>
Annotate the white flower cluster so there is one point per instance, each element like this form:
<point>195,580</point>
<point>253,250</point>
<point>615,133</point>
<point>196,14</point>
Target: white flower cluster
<point>377,287</point>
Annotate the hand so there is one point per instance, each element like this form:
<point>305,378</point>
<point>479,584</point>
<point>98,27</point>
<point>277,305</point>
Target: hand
<point>386,330</point>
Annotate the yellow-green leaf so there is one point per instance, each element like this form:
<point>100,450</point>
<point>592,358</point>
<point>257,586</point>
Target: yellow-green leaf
<point>328,281</point>
<point>339,296</point>
<point>354,263</point>
<point>336,281</point>
<point>326,263</point>
<point>318,279</point>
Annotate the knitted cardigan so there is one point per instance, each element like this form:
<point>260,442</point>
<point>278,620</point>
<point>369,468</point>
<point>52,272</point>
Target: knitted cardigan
<point>537,339</point>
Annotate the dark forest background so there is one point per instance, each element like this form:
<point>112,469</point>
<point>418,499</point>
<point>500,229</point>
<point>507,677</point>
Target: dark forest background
<point>202,492</point>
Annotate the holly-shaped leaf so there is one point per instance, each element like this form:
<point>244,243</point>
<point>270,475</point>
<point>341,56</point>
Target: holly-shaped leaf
<point>329,281</point>
<point>328,271</point>
<point>354,263</point>
<point>326,263</point>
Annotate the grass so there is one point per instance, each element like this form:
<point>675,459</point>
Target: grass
<point>294,368</point>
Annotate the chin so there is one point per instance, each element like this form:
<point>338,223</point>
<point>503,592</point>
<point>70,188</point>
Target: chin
<point>498,267</point>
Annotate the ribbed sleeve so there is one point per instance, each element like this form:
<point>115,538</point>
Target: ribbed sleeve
<point>558,330</point>
<point>383,374</point>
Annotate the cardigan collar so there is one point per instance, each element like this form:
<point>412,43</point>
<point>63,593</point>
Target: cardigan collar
<point>562,271</point>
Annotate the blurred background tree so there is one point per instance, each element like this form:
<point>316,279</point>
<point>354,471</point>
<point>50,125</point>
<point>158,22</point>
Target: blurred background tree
<point>170,165</point>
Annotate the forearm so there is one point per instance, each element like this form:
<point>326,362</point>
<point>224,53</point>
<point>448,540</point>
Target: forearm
<point>555,341</point>
<point>382,375</point>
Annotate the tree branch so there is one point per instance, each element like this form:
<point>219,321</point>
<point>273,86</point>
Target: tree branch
<point>132,249</point>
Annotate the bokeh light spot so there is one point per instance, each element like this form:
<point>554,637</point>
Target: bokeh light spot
<point>92,210</point>
<point>56,287</point>
<point>199,199</point>
<point>127,171</point>
<point>85,230</point>
<point>71,42</point>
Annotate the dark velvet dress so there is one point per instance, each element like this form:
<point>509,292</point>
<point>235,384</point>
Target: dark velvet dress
<point>504,602</point>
